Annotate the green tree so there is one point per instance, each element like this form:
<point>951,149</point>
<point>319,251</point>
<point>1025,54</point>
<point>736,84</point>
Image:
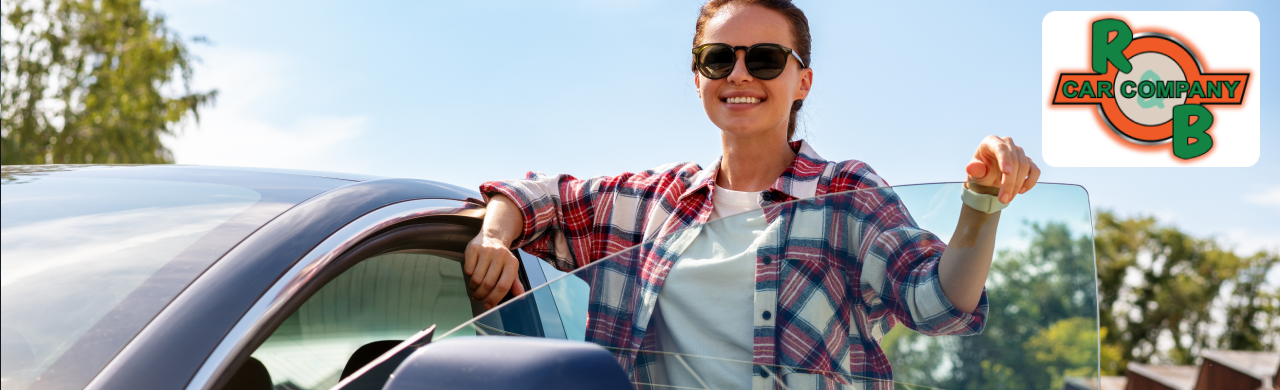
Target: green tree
<point>1156,282</point>
<point>1040,326</point>
<point>91,81</point>
<point>1153,283</point>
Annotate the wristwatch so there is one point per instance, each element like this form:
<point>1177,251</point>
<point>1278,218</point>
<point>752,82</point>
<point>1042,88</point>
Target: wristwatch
<point>981,202</point>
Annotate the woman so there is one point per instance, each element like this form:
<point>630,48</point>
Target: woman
<point>751,69</point>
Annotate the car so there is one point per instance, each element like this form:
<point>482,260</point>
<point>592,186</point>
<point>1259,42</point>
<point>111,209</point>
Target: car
<point>165,276</point>
<point>189,277</point>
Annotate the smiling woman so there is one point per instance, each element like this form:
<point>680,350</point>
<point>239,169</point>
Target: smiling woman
<point>722,289</point>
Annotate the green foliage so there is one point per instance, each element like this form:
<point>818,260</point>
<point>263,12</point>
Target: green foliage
<point>91,81</point>
<point>1045,320</point>
<point>1064,348</point>
<point>1040,329</point>
<point>1158,282</point>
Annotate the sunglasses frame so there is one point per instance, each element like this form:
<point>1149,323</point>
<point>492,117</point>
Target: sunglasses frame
<point>697,51</point>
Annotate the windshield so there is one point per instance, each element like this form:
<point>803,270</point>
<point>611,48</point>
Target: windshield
<point>1041,327</point>
<point>89,255</point>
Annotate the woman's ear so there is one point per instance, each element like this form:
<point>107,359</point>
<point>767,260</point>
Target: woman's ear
<point>806,82</point>
<point>697,84</point>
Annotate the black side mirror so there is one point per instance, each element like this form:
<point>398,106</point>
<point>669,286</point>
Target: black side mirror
<point>480,363</point>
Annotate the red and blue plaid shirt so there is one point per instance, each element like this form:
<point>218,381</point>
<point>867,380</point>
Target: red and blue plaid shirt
<point>837,277</point>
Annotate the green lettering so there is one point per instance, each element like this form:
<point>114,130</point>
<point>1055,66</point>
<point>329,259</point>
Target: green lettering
<point>1087,90</point>
<point>1104,88</point>
<point>1211,90</point>
<point>1182,89</point>
<point>1128,89</point>
<point>1112,51</point>
<point>1231,88</point>
<point>1196,90</point>
<point>1166,89</point>
<point>1070,89</point>
<point>1146,89</point>
<point>1184,131</point>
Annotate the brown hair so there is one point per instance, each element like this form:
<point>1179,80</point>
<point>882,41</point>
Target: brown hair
<point>799,33</point>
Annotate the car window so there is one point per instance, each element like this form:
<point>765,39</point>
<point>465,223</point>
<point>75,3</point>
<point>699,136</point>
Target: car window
<point>387,297</point>
<point>1041,328</point>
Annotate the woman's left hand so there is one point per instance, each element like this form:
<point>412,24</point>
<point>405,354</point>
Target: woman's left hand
<point>1000,163</point>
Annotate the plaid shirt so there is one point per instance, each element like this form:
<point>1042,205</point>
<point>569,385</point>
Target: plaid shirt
<point>834,275</point>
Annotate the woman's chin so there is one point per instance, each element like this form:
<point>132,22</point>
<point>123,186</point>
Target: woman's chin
<point>747,129</point>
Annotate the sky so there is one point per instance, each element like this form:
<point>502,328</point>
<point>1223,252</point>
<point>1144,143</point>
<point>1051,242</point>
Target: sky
<point>466,92</point>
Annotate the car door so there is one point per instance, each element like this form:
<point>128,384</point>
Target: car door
<point>354,297</point>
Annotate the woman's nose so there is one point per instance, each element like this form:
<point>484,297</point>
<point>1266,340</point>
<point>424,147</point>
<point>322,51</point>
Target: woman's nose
<point>740,74</point>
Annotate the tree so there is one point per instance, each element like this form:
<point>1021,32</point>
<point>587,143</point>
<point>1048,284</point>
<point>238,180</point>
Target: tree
<point>1154,283</point>
<point>1158,283</point>
<point>1041,325</point>
<point>91,81</point>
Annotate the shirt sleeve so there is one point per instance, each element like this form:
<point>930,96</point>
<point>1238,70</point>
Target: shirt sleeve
<point>572,222</point>
<point>899,267</point>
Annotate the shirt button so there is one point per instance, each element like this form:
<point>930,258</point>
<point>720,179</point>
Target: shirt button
<point>767,315</point>
<point>763,372</point>
<point>767,260</point>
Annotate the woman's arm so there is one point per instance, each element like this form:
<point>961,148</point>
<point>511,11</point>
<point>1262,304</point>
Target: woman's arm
<point>493,270</point>
<point>999,167</point>
<point>967,260</point>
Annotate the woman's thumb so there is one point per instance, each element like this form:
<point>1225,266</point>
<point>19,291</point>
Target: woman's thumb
<point>976,169</point>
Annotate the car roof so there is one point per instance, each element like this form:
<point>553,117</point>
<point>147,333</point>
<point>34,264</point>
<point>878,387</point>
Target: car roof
<point>298,172</point>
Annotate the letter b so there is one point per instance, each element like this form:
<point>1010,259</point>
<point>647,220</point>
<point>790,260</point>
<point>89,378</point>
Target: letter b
<point>1184,131</point>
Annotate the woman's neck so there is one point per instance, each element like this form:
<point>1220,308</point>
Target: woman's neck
<point>753,164</point>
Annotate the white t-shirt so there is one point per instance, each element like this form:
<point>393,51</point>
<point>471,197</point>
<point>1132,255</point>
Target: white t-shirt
<point>706,303</point>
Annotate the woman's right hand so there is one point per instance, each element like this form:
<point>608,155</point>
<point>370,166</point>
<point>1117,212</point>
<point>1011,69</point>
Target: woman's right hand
<point>492,270</point>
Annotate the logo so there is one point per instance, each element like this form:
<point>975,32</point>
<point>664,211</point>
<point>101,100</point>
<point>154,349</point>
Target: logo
<point>1150,88</point>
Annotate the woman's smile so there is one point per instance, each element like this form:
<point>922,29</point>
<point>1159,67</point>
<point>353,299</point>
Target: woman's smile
<point>742,101</point>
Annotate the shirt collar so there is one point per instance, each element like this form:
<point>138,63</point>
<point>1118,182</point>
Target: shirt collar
<point>799,181</point>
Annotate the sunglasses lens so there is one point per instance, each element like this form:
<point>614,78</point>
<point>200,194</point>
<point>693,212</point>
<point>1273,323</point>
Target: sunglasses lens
<point>716,62</point>
<point>766,61</point>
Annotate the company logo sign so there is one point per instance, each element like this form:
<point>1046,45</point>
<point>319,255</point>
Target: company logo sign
<point>1151,89</point>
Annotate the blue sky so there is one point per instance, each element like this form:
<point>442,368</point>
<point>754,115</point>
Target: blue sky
<point>464,92</point>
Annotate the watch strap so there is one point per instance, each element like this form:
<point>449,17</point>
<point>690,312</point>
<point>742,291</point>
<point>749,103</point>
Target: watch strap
<point>982,202</point>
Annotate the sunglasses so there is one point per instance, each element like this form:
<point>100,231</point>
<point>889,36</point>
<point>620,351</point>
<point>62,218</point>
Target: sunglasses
<point>764,60</point>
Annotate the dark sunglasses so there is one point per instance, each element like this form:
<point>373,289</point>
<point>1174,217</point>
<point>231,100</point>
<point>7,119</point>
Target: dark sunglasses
<point>764,60</point>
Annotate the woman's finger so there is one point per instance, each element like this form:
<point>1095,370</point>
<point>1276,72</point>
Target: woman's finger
<point>479,285</point>
<point>481,269</point>
<point>1020,178</point>
<point>504,283</point>
<point>1008,165</point>
<point>496,264</point>
<point>988,173</point>
<point>1033,177</point>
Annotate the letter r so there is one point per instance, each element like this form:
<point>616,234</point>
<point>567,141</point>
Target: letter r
<point>1113,51</point>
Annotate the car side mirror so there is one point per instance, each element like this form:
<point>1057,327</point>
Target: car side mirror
<point>480,363</point>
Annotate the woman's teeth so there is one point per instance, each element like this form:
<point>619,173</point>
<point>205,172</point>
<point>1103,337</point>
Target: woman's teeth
<point>742,100</point>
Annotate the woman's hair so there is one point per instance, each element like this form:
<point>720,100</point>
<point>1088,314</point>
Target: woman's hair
<point>799,32</point>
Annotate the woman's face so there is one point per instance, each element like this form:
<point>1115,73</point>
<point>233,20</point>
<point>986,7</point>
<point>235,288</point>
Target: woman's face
<point>746,25</point>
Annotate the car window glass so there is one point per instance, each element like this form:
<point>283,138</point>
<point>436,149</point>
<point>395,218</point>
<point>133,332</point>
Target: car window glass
<point>74,248</point>
<point>570,298</point>
<point>388,297</point>
<point>1041,329</point>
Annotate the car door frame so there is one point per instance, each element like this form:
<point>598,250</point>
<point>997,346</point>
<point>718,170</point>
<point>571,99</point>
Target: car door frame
<point>190,341</point>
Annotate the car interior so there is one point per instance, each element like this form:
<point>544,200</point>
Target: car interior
<point>375,295</point>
